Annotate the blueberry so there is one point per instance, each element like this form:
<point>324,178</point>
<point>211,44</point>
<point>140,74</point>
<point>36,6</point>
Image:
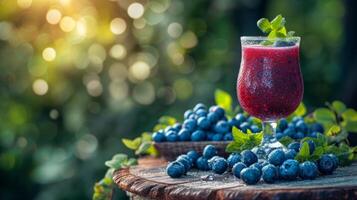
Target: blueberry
<point>276,157</point>
<point>301,126</point>
<point>211,160</point>
<point>184,135</point>
<point>186,161</point>
<point>175,169</point>
<point>193,116</point>
<point>283,124</point>
<point>241,118</point>
<point>283,43</point>
<point>317,127</point>
<point>289,132</point>
<point>295,146</point>
<point>308,170</point>
<point>199,106</point>
<point>171,136</point>
<point>233,159</point>
<point>177,126</point>
<point>311,146</point>
<point>244,126</point>
<point>313,134</point>
<point>326,164</point>
<point>202,164</point>
<point>259,165</point>
<point>250,175</point>
<point>222,127</point>
<point>296,119</point>
<point>219,165</point>
<point>335,159</point>
<point>220,111</point>
<point>198,136</point>
<point>203,123</point>
<point>187,114</point>
<point>189,124</point>
<point>217,137</point>
<point>170,128</point>
<point>269,173</point>
<point>289,170</point>
<point>210,136</point>
<point>299,135</point>
<point>193,155</point>
<point>228,137</point>
<point>234,122</point>
<point>237,168</point>
<point>248,157</point>
<point>255,129</point>
<point>279,135</point>
<point>201,113</point>
<point>213,117</point>
<point>209,151</point>
<point>290,154</point>
<point>158,136</point>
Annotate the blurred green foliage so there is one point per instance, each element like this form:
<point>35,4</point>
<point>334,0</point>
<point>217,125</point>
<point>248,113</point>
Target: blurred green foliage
<point>77,76</point>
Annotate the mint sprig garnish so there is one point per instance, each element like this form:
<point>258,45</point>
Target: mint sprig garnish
<point>274,28</point>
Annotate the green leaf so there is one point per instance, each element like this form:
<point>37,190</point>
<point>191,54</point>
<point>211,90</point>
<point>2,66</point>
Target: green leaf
<point>278,22</point>
<point>304,153</point>
<point>143,148</point>
<point>334,130</point>
<point>286,140</point>
<point>275,34</point>
<point>239,135</point>
<point>324,116</point>
<point>167,120</point>
<point>339,107</point>
<point>131,162</point>
<point>146,137</point>
<point>242,141</point>
<point>264,25</point>
<point>282,31</point>
<point>132,144</point>
<point>233,147</point>
<point>350,126</point>
<point>117,161</point>
<point>350,115</point>
<point>223,99</point>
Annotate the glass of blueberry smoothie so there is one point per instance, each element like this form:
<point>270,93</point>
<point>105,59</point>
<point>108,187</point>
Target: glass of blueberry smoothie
<point>270,84</point>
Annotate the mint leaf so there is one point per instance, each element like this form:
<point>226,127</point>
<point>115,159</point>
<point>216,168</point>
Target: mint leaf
<point>223,99</point>
<point>143,148</point>
<point>238,135</point>
<point>242,141</point>
<point>334,130</point>
<point>264,25</point>
<point>117,161</point>
<point>286,140</point>
<point>278,22</point>
<point>338,107</point>
<point>350,115</point>
<point>167,120</point>
<point>132,144</point>
<point>304,153</point>
<point>324,116</point>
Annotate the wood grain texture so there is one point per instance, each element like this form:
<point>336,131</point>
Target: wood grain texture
<point>152,182</point>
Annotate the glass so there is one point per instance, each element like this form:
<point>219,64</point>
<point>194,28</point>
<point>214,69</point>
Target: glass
<point>270,84</point>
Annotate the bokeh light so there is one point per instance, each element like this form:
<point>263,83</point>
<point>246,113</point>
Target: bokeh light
<point>174,30</point>
<point>144,93</point>
<point>118,51</point>
<point>136,10</point>
<point>49,54</point>
<point>117,26</point>
<point>67,24</point>
<point>40,87</point>
<point>53,16</point>
<point>24,3</point>
<point>140,70</point>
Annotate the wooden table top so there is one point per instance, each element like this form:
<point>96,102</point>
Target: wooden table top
<point>149,180</point>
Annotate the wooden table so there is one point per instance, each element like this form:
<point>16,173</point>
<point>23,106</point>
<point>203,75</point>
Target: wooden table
<point>148,180</point>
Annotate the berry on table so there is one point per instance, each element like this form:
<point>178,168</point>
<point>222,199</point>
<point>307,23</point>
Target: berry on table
<point>289,170</point>
<point>279,135</point>
<point>283,124</point>
<point>289,132</point>
<point>220,111</point>
<point>213,117</point>
<point>248,157</point>
<point>276,157</point>
<point>260,164</point>
<point>255,129</point>
<point>269,173</point>
<point>171,136</point>
<point>187,114</point>
<point>301,126</point>
<point>175,169</point>
<point>158,136</point>
<point>193,155</point>
<point>240,118</point>
<point>189,124</point>
<point>219,165</point>
<point>317,127</point>
<point>217,137</point>
<point>234,122</point>
<point>209,151</point>
<point>250,175</point>
<point>199,106</point>
<point>198,136</point>
<point>233,159</point>
<point>298,135</point>
<point>228,136</point>
<point>244,126</point>
<point>221,127</point>
<point>237,168</point>
<point>295,146</point>
<point>326,164</point>
<point>335,159</point>
<point>186,161</point>
<point>202,164</point>
<point>184,135</point>
<point>201,113</point>
<point>308,170</point>
<point>290,154</point>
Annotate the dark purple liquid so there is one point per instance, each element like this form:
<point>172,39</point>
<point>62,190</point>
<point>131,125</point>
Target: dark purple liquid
<point>270,84</point>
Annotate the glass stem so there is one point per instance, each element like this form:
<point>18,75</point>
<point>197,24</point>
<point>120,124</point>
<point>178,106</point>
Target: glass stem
<point>269,128</point>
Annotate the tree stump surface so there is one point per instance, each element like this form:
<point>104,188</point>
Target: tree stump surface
<point>150,181</point>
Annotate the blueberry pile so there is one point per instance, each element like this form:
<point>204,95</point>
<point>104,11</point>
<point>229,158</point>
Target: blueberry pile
<point>202,124</point>
<point>279,165</point>
<point>298,129</point>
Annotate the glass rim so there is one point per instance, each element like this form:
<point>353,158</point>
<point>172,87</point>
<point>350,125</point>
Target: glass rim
<point>265,38</point>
